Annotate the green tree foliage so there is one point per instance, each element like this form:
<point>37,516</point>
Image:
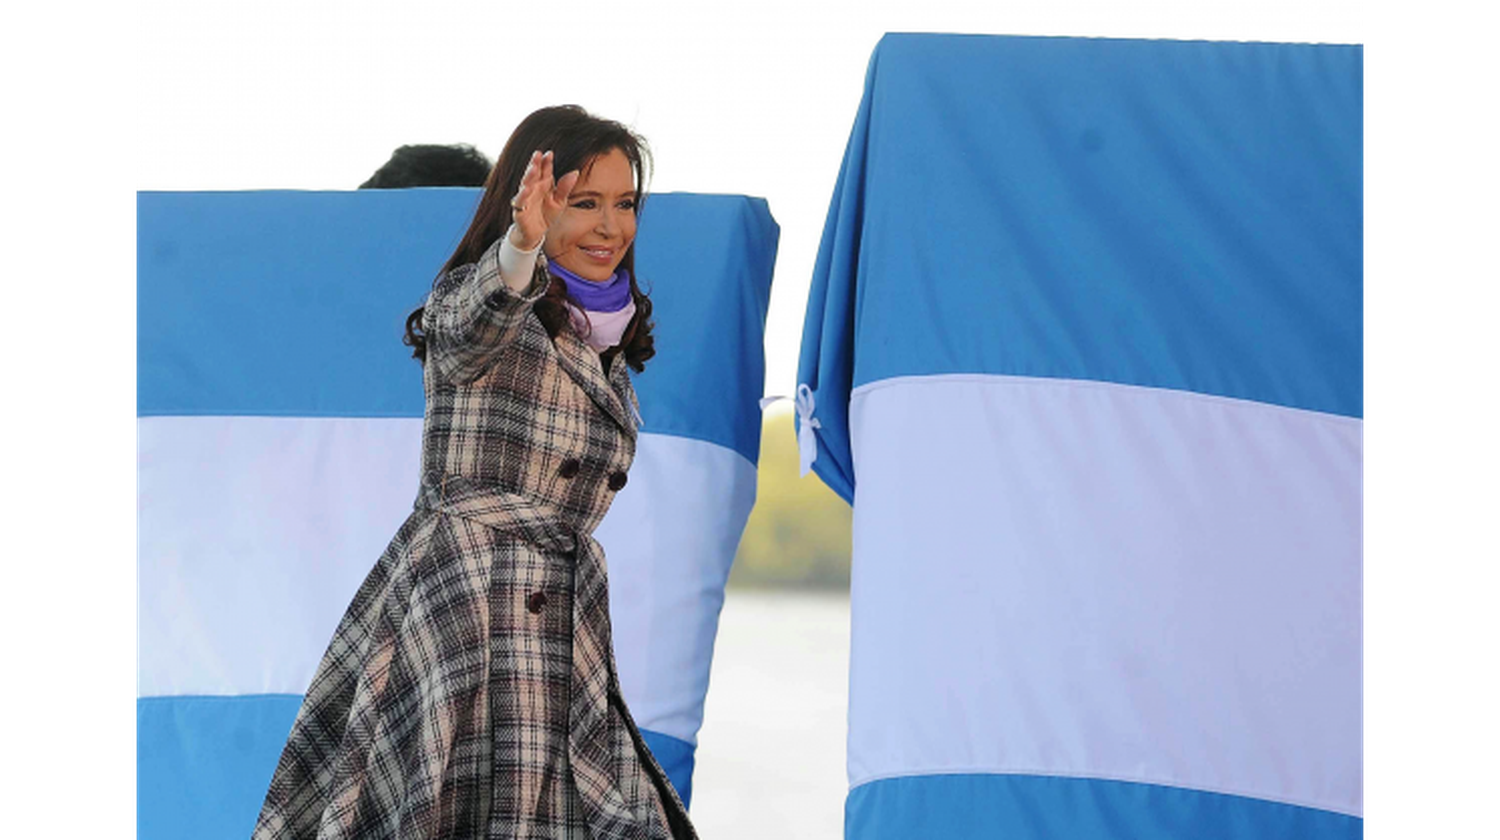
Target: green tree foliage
<point>798,535</point>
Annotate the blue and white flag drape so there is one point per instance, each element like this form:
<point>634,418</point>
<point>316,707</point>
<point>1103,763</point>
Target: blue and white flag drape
<point>1084,352</point>
<point>279,436</point>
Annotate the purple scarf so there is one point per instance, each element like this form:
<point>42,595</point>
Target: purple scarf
<point>611,295</point>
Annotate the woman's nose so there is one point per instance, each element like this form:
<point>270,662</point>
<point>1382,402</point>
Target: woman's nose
<point>609,223</point>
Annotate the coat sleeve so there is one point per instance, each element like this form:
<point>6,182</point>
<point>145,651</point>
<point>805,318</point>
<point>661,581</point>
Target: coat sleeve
<point>472,315</point>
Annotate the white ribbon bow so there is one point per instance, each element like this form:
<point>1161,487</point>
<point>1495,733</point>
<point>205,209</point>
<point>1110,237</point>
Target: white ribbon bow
<point>807,442</point>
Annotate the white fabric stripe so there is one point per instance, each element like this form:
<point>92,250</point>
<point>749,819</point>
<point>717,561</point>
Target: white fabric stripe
<point>255,533</point>
<point>669,540</point>
<point>1087,579</point>
<point>990,379</point>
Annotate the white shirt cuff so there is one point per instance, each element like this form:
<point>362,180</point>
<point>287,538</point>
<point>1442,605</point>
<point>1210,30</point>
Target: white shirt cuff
<point>517,266</point>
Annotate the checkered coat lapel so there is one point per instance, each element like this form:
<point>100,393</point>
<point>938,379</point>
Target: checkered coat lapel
<point>470,689</point>
<point>612,393</point>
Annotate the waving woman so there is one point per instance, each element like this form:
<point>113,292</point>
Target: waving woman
<point>470,689</point>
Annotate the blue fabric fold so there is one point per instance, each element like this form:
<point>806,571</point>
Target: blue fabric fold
<point>1171,214</point>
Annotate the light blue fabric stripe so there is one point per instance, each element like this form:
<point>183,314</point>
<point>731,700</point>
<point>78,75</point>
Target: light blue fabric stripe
<point>288,303</point>
<point>675,756</point>
<point>706,261</point>
<point>203,763</point>
<point>1020,807</point>
<point>1173,214</point>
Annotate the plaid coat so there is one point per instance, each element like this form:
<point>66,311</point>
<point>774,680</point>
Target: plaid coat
<point>470,689</point>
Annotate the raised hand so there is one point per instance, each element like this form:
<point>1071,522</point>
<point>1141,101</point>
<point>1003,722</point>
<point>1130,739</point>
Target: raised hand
<point>539,201</point>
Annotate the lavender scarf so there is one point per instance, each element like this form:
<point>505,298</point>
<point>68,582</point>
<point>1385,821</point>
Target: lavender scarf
<point>607,306</point>
<point>609,296</point>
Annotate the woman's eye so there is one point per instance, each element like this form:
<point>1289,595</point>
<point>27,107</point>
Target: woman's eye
<point>586,204</point>
<point>627,204</point>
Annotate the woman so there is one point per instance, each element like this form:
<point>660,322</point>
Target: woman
<point>470,689</point>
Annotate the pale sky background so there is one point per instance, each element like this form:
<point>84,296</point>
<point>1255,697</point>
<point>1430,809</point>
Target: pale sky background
<point>753,98</point>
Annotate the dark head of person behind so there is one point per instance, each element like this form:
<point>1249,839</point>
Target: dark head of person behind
<point>576,139</point>
<point>431,166</point>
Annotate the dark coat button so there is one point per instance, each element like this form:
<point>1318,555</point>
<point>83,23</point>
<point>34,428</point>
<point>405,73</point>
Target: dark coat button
<point>568,468</point>
<point>536,601</point>
<point>617,480</point>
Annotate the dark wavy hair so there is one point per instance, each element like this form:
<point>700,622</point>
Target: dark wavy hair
<point>576,138</point>
<point>430,165</point>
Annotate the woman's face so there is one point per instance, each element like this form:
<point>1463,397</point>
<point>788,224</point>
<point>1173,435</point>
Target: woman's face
<point>598,223</point>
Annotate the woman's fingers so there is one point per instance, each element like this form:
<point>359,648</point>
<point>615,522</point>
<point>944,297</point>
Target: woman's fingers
<point>538,170</point>
<point>564,187</point>
<point>527,212</point>
<point>528,204</point>
<point>540,199</point>
<point>538,173</point>
<point>528,179</point>
<point>529,175</point>
<point>554,200</point>
<point>537,179</point>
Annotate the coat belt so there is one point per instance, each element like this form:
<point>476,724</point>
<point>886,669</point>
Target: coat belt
<point>497,507</point>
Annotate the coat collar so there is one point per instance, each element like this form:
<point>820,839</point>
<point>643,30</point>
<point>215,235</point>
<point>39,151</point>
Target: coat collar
<point>611,392</point>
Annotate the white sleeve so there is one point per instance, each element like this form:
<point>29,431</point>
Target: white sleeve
<point>517,266</point>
